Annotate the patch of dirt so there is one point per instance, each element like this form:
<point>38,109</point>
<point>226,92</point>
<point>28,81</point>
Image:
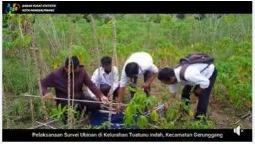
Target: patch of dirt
<point>225,116</point>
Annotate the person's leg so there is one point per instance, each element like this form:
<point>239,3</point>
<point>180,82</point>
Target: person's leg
<point>204,97</point>
<point>105,88</point>
<point>186,93</point>
<point>133,85</point>
<point>146,76</point>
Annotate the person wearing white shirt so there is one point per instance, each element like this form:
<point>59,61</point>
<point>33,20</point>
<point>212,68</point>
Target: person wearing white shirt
<point>201,76</point>
<point>139,63</point>
<point>106,78</point>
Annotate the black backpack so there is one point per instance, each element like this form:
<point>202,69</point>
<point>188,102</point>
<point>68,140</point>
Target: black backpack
<point>193,59</point>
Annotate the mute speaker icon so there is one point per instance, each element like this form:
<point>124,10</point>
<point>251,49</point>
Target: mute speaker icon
<point>237,130</point>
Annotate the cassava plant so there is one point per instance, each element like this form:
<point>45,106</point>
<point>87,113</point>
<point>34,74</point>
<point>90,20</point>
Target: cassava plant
<point>140,110</point>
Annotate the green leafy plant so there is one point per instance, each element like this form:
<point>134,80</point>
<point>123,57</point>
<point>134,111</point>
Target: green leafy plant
<point>142,122</point>
<point>136,113</point>
<point>104,125</point>
<point>58,112</point>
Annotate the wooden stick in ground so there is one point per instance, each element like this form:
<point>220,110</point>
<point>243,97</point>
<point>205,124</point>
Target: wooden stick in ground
<point>72,78</point>
<point>34,55</point>
<point>115,63</point>
<point>73,118</point>
<point>30,89</point>
<point>32,110</point>
<point>93,25</point>
<point>5,104</point>
<point>28,31</point>
<point>69,89</point>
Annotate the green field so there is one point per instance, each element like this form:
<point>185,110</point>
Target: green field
<point>228,39</point>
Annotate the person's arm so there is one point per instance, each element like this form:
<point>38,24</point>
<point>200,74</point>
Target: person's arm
<point>148,83</point>
<point>95,79</point>
<point>115,80</point>
<point>48,81</point>
<point>121,91</point>
<point>154,71</point>
<point>91,85</point>
<point>120,99</point>
<point>121,94</point>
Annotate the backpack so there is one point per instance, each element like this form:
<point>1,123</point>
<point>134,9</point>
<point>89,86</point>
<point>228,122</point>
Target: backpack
<point>193,59</point>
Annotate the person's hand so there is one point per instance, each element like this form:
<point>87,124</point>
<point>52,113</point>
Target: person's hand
<point>198,91</point>
<point>145,86</point>
<point>170,100</point>
<point>166,105</point>
<point>104,100</point>
<point>118,108</point>
<point>47,96</point>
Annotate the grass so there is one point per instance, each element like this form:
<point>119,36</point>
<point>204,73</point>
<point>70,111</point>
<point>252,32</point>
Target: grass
<point>166,38</point>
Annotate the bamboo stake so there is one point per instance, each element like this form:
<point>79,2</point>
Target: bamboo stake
<point>115,62</point>
<point>73,76</point>
<point>30,89</point>
<point>29,32</point>
<point>24,58</point>
<point>32,110</point>
<point>73,119</point>
<point>6,103</point>
<point>34,55</point>
<point>69,88</point>
<point>95,40</point>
